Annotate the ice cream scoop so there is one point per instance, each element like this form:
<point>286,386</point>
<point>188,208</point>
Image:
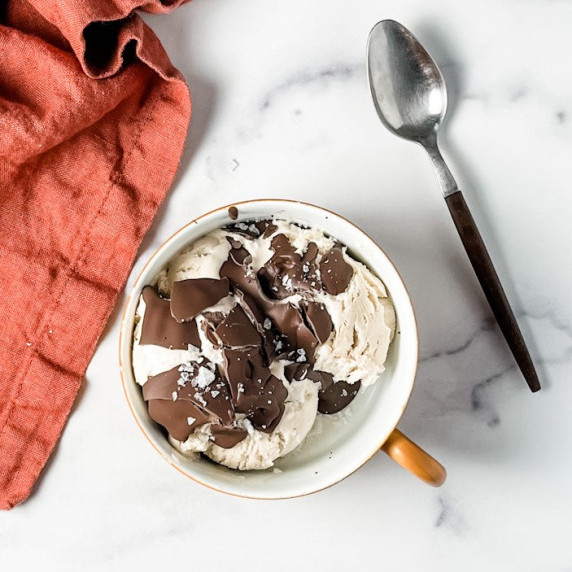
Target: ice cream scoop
<point>250,332</point>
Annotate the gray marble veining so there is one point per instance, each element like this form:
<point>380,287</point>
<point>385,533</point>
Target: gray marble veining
<point>287,113</point>
<point>322,77</point>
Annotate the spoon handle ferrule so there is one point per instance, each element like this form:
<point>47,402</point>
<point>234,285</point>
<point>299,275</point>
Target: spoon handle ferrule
<point>446,180</point>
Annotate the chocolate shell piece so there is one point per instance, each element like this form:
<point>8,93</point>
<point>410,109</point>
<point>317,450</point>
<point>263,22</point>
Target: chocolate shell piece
<point>318,319</point>
<point>237,330</point>
<point>162,385</point>
<point>336,396</point>
<point>227,437</point>
<point>161,329</point>
<point>287,272</point>
<point>244,367</point>
<point>269,407</point>
<point>240,255</point>
<point>202,384</point>
<point>248,229</point>
<point>214,318</point>
<point>296,371</point>
<point>332,396</point>
<point>285,318</point>
<point>288,320</point>
<point>234,268</point>
<point>180,417</point>
<point>200,387</point>
<point>266,227</point>
<point>255,391</point>
<point>335,272</point>
<point>190,297</point>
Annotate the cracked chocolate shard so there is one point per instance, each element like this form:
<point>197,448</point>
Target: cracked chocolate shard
<point>190,395</point>
<point>255,391</point>
<point>332,396</point>
<point>318,319</point>
<point>266,227</point>
<point>227,437</point>
<point>180,417</point>
<point>237,330</point>
<point>335,272</point>
<point>243,368</point>
<point>174,416</point>
<point>287,272</point>
<point>202,384</point>
<point>284,317</point>
<point>296,371</point>
<point>335,396</point>
<point>161,329</point>
<point>192,296</point>
<point>269,408</point>
<point>214,318</point>
<point>289,320</point>
<point>234,268</point>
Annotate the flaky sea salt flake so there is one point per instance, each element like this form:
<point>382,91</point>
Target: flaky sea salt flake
<point>200,399</point>
<point>203,378</point>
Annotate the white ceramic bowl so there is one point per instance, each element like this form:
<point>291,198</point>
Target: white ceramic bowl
<point>343,445</point>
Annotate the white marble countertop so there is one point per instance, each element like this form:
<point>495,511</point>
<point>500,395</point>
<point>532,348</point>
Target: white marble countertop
<point>281,108</point>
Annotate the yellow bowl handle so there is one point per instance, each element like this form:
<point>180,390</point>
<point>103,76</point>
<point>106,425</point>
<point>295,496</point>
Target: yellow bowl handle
<point>413,458</point>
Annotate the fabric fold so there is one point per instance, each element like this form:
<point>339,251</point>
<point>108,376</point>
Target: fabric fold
<point>93,119</point>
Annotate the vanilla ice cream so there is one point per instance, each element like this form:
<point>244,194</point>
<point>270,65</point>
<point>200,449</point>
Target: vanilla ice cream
<point>250,333</point>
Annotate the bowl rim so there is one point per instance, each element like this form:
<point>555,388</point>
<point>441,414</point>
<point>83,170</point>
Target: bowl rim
<point>124,326</point>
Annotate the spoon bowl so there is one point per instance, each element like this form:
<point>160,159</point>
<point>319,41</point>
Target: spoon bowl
<point>408,89</point>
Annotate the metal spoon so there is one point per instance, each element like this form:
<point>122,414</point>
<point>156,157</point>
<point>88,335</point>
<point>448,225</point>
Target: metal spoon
<point>411,99</point>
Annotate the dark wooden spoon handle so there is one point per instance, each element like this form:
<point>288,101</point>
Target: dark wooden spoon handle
<point>491,285</point>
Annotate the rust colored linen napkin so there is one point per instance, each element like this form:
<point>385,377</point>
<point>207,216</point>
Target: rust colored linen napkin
<point>93,119</point>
